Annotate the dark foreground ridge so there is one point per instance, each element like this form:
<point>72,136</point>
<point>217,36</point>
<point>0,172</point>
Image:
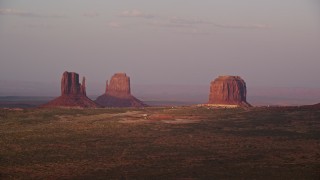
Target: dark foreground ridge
<point>73,94</point>
<point>315,106</point>
<point>118,93</point>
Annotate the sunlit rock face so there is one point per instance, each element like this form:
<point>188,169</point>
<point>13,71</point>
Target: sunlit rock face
<point>119,85</point>
<point>228,90</point>
<point>118,93</point>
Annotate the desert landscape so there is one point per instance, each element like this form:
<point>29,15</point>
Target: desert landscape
<point>160,143</point>
<point>168,89</point>
<point>71,137</point>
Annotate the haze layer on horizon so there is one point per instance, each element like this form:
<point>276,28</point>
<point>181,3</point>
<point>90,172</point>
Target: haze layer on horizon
<point>267,43</point>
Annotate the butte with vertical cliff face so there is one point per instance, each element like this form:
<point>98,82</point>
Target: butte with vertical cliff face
<point>118,93</point>
<point>73,94</point>
<point>228,90</point>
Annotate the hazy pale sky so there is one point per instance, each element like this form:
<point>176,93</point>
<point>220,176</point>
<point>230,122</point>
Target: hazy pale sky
<point>268,43</point>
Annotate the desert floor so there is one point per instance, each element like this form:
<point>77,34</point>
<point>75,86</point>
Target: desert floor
<point>160,143</point>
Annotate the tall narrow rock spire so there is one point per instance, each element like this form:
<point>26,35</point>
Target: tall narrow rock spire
<point>83,86</point>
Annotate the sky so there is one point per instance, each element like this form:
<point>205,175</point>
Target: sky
<point>273,43</point>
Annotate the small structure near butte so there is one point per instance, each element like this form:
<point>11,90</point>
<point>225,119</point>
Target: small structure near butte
<point>118,93</point>
<point>73,94</point>
<point>228,91</point>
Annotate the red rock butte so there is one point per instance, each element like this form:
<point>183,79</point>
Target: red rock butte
<point>228,90</point>
<point>118,93</point>
<point>73,94</point>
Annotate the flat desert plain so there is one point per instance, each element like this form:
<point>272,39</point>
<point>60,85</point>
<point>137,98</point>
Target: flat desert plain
<point>160,143</point>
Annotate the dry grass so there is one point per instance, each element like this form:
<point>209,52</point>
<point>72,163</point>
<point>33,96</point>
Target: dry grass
<point>160,143</point>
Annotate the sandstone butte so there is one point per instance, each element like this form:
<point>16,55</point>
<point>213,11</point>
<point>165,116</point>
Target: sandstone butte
<point>228,90</point>
<point>118,93</point>
<point>73,94</point>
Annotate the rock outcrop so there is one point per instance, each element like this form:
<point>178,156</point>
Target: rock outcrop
<point>119,85</point>
<point>315,106</point>
<point>118,93</point>
<point>73,94</point>
<point>70,84</point>
<point>228,90</point>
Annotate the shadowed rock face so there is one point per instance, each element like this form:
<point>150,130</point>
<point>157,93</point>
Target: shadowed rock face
<point>228,90</point>
<point>118,93</point>
<point>73,94</point>
<point>70,84</point>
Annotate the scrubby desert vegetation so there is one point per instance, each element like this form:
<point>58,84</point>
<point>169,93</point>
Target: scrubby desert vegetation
<point>160,143</point>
